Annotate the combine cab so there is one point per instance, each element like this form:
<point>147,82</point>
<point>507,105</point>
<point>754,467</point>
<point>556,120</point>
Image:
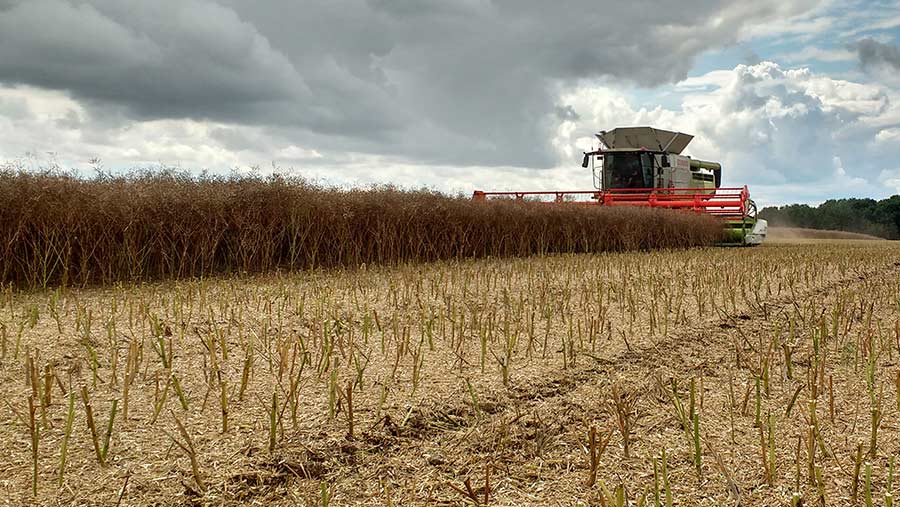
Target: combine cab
<point>643,166</point>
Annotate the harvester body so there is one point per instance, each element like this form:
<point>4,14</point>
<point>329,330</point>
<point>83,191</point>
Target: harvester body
<point>643,166</point>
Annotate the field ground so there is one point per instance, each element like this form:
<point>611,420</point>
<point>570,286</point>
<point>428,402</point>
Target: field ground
<point>794,233</point>
<point>456,383</point>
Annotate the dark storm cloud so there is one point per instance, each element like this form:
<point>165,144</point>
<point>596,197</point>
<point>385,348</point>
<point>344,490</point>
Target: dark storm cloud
<point>567,112</point>
<point>201,60</point>
<point>874,53</point>
<point>462,82</point>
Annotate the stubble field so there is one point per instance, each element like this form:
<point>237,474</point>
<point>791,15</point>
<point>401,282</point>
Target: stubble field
<point>697,377</point>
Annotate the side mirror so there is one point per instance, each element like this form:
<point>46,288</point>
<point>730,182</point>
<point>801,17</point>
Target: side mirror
<point>584,163</point>
<point>664,161</point>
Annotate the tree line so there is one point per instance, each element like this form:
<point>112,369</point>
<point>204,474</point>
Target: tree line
<point>866,216</point>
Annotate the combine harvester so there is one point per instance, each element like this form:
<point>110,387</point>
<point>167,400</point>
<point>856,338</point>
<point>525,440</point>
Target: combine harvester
<point>643,166</point>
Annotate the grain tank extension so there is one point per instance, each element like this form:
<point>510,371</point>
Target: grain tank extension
<point>643,166</point>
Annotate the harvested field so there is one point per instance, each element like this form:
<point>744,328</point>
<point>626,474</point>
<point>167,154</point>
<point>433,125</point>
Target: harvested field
<point>714,376</point>
<point>795,233</point>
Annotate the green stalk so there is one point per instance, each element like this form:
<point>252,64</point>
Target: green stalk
<point>665,475</point>
<point>272,421</point>
<point>325,496</point>
<point>820,484</point>
<point>889,494</point>
<point>109,428</point>
<point>245,372</point>
<point>772,446</point>
<point>332,394</point>
<point>89,416</point>
<point>757,422</point>
<point>223,399</point>
<point>868,490</point>
<point>692,410</point>
<point>70,418</point>
<point>161,402</point>
<point>181,398</point>
<point>697,454</point>
<point>35,438</point>
<point>857,464</point>
<point>656,502</point>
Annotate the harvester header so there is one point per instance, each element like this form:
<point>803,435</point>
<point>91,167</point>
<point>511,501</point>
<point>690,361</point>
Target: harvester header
<point>643,166</point>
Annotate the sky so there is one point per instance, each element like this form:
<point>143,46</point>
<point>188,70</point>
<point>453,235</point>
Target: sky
<point>798,99</point>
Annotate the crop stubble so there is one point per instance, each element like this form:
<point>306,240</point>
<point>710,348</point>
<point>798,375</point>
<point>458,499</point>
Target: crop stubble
<point>488,372</point>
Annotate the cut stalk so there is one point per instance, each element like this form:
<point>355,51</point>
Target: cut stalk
<point>698,456</point>
<point>188,448</point>
<point>350,410</point>
<point>857,465</point>
<point>89,414</point>
<point>889,494</point>
<point>772,447</point>
<point>109,429</point>
<point>868,490</point>
<point>757,422</point>
<point>656,499</point>
<point>35,437</point>
<point>181,397</point>
<point>665,476</point>
<point>273,414</point>
<point>70,418</point>
<point>223,402</point>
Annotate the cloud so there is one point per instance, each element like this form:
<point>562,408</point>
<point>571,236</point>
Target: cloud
<point>803,27</point>
<point>879,60</point>
<point>885,20</point>
<point>815,53</point>
<point>463,82</point>
<point>891,179</point>
<point>872,53</point>
<point>888,136</point>
<point>202,61</point>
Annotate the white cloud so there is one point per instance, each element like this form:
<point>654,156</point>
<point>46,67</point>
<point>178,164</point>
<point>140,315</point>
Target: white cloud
<point>810,53</point>
<point>840,95</point>
<point>294,152</point>
<point>891,179</point>
<point>889,135</point>
<point>710,80</point>
<point>53,128</point>
<point>881,23</point>
<point>803,26</point>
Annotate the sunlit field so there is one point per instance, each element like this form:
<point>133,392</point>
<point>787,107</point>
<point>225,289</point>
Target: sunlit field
<point>700,376</point>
